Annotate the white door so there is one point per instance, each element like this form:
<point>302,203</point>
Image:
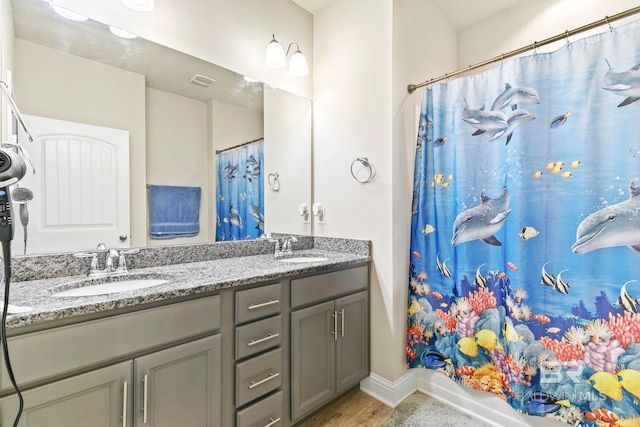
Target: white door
<point>80,188</point>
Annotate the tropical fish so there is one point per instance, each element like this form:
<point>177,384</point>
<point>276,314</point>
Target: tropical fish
<point>487,338</point>
<point>468,346</point>
<point>615,225</point>
<point>560,120</point>
<point>440,142</point>
<point>547,279</point>
<point>234,216</point>
<point>560,285</point>
<point>514,96</point>
<point>438,178</point>
<point>433,359</point>
<point>442,267</point>
<point>252,169</point>
<point>510,333</point>
<point>537,174</point>
<point>414,307</point>
<point>416,254</point>
<point>541,402</point>
<point>514,119</point>
<point>550,166</point>
<point>626,302</point>
<point>502,275</point>
<point>450,177</point>
<point>512,266</point>
<point>444,305</point>
<point>625,83</point>
<point>484,120</point>
<point>528,232</point>
<point>230,171</point>
<point>607,384</point>
<point>465,370</point>
<point>553,330</point>
<point>542,318</point>
<point>569,316</point>
<point>602,414</point>
<point>254,212</point>
<point>583,322</point>
<point>566,175</point>
<point>575,164</point>
<point>480,281</point>
<point>483,221</point>
<point>630,380</point>
<point>428,228</point>
<point>445,185</point>
<point>436,295</point>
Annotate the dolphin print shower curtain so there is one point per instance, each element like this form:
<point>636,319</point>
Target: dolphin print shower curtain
<point>240,193</point>
<point>525,232</point>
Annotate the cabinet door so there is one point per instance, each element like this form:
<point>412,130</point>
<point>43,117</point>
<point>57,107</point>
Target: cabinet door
<point>93,399</point>
<point>312,358</point>
<point>179,386</point>
<point>352,350</point>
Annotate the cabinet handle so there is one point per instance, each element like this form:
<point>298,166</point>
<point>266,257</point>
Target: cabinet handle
<point>269,378</point>
<point>272,422</point>
<point>145,382</point>
<point>125,386</point>
<point>342,322</point>
<point>263,304</point>
<point>335,325</point>
<point>261,340</point>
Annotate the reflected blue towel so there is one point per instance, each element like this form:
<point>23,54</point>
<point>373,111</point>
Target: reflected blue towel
<point>174,211</point>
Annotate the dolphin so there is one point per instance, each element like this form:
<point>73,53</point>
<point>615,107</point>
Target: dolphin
<point>514,119</point>
<point>482,221</point>
<point>514,96</point>
<point>625,83</point>
<point>615,225</point>
<point>484,120</point>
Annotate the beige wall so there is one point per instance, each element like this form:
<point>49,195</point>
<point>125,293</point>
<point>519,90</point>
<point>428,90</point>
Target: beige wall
<point>6,61</point>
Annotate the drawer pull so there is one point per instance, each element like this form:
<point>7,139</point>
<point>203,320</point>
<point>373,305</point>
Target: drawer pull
<point>261,340</point>
<point>272,422</point>
<point>124,404</point>
<point>342,322</point>
<point>263,304</point>
<point>269,378</point>
<point>145,382</point>
<point>335,325</point>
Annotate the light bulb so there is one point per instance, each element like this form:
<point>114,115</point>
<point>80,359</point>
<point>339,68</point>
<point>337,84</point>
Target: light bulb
<point>275,56</point>
<point>298,66</point>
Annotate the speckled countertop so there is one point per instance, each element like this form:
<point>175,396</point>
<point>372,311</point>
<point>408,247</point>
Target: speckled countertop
<point>184,279</point>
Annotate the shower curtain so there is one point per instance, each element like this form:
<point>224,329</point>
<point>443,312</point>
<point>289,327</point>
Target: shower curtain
<point>240,193</point>
<point>525,232</point>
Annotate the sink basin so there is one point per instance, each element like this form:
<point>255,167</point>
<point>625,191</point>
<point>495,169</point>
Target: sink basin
<point>110,287</point>
<point>301,259</point>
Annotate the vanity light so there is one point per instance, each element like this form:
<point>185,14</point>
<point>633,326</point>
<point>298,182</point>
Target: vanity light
<point>121,33</point>
<point>66,13</point>
<point>277,58</point>
<point>140,5</point>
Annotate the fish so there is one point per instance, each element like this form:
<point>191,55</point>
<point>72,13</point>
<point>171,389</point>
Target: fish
<point>553,330</point>
<point>510,333</point>
<point>436,295</point>
<point>512,266</point>
<point>445,185</point>
<point>444,305</point>
<point>607,384</point>
<point>560,285</point>
<point>484,120</point>
<point>550,166</point>
<point>514,120</point>
<point>560,120</point>
<point>414,307</point>
<point>502,275</point>
<point>234,216</point>
<point>438,178</point>
<point>629,379</point>
<point>252,169</point>
<point>514,96</point>
<point>602,414</point>
<point>440,142</point>
<point>254,212</point>
<point>625,83</point>
<point>442,267</point>
<point>583,322</point>
<point>541,402</point>
<point>450,177</point>
<point>575,164</point>
<point>528,233</point>
<point>487,338</point>
<point>468,346</point>
<point>566,175</point>
<point>483,221</point>
<point>416,254</point>
<point>615,225</point>
<point>542,318</point>
<point>547,279</point>
<point>428,228</point>
<point>537,174</point>
<point>480,281</point>
<point>625,301</point>
<point>230,171</point>
<point>569,316</point>
<point>465,370</point>
<point>433,359</point>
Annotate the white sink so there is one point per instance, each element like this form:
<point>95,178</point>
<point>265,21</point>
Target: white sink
<point>301,259</point>
<point>111,287</point>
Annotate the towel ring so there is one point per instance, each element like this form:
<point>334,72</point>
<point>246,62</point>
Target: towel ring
<point>366,165</point>
<point>274,181</point>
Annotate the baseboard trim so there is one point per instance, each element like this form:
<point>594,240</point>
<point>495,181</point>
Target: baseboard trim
<point>391,393</point>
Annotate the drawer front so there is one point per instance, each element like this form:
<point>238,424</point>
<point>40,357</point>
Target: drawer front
<point>57,351</point>
<point>322,287</point>
<point>265,413</point>
<point>258,336</point>
<point>257,303</point>
<point>258,376</point>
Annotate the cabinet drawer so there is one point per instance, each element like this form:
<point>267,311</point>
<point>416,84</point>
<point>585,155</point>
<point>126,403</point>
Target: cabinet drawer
<point>57,351</point>
<point>257,336</point>
<point>322,287</point>
<point>265,413</point>
<point>258,376</point>
<point>257,303</point>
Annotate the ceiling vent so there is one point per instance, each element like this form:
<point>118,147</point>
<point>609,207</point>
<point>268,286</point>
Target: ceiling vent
<point>201,80</point>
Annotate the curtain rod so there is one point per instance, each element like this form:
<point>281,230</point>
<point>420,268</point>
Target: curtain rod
<point>240,145</point>
<point>605,21</point>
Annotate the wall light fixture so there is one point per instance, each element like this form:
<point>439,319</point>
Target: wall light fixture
<point>277,58</point>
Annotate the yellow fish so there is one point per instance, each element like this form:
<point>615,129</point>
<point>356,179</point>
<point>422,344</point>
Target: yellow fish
<point>550,166</point>
<point>428,228</point>
<point>445,185</point>
<point>630,380</point>
<point>414,307</point>
<point>607,384</point>
<point>468,346</point>
<point>575,164</point>
<point>538,174</point>
<point>510,333</point>
<point>433,184</point>
<point>566,174</point>
<point>487,338</point>
<point>438,178</point>
<point>450,177</point>
<point>528,232</point>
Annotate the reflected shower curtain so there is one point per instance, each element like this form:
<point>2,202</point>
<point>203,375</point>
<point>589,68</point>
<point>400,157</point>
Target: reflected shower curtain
<point>525,232</point>
<point>240,193</point>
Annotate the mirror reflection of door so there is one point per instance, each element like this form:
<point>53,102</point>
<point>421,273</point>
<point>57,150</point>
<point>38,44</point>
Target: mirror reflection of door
<point>80,188</point>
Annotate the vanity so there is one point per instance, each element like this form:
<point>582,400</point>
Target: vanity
<point>247,341</point>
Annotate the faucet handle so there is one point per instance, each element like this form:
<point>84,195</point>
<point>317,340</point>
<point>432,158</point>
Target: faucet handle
<point>122,262</point>
<point>94,270</point>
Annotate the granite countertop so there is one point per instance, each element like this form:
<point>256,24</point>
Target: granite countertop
<point>183,280</point>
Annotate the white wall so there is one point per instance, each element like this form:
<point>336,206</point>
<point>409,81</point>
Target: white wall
<point>6,61</point>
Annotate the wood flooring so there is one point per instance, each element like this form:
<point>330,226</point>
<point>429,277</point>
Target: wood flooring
<point>355,409</point>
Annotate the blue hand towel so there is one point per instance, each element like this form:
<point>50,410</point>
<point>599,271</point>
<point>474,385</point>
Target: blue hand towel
<point>174,211</point>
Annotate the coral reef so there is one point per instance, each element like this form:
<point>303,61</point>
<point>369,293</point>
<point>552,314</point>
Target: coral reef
<point>563,350</point>
<point>481,300</point>
<point>626,327</point>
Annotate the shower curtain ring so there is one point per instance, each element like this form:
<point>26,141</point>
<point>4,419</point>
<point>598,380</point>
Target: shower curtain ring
<point>567,36</point>
<point>606,20</point>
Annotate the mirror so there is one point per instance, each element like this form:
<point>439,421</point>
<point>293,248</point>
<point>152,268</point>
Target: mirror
<point>64,70</point>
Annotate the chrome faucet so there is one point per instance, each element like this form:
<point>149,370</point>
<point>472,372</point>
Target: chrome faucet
<point>110,269</point>
<point>283,245</point>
